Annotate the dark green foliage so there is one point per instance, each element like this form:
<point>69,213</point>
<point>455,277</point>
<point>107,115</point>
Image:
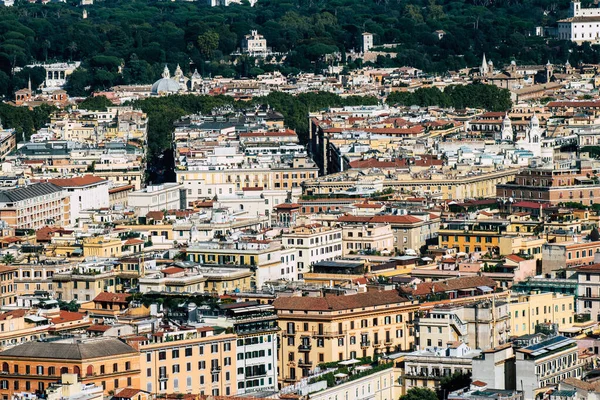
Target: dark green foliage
<point>459,96</point>
<point>23,119</point>
<point>72,306</point>
<point>453,382</point>
<point>594,235</point>
<point>418,393</point>
<point>96,103</point>
<point>140,37</point>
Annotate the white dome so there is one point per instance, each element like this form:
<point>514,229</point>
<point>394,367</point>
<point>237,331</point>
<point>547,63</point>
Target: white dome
<point>165,84</point>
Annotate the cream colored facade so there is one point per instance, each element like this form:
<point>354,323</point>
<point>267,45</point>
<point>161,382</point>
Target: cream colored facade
<point>357,238</point>
<point>381,385</point>
<point>527,311</point>
<point>531,245</point>
<point>314,243</point>
<point>102,246</point>
<point>191,361</point>
<point>443,186</point>
<point>83,288</point>
<point>359,325</point>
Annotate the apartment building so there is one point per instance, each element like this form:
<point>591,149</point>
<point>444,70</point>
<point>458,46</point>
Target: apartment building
<point>567,254</point>
<point>410,231</point>
<point>34,206</point>
<point>564,181</point>
<point>545,364</point>
<point>85,193</point>
<point>167,196</point>
<point>269,259</point>
<point>427,367</point>
<point>313,243</point>
<point>480,324</point>
<point>367,237</point>
<point>8,142</point>
<point>8,290</point>
<point>33,366</point>
<point>257,339</point>
<point>30,278</point>
<point>334,328</point>
<point>530,310</point>
<point>588,290</point>
<point>472,236</point>
<point>84,285</point>
<point>188,360</point>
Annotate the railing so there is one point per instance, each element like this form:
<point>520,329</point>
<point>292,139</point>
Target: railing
<point>365,344</point>
<point>305,347</point>
<point>305,363</point>
<point>328,333</point>
<point>163,377</point>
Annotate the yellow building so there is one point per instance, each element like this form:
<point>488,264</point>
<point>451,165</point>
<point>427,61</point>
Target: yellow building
<point>526,246</point>
<point>84,286</point>
<point>369,237</point>
<point>527,311</point>
<point>194,360</point>
<point>323,329</point>
<point>102,246</point>
<point>472,236</point>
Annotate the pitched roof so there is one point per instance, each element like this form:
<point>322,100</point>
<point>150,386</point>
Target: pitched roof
<point>28,192</point>
<point>127,393</point>
<point>85,350</point>
<point>67,316</point>
<point>592,267</point>
<point>465,282</point>
<point>515,258</point>
<point>78,181</point>
<point>113,297</point>
<point>335,303</point>
<point>155,215</point>
<point>13,314</point>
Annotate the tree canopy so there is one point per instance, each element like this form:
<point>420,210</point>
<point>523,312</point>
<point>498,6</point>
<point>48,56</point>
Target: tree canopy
<point>419,393</point>
<point>124,42</point>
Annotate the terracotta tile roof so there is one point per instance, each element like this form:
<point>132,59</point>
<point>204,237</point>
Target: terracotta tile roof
<point>382,219</point>
<point>172,270</point>
<point>113,297</point>
<point>335,303</point>
<point>44,234</point>
<point>133,241</point>
<point>127,393</point>
<point>515,258</point>
<point>98,328</point>
<point>285,206</point>
<point>252,189</point>
<point>593,267</point>
<point>78,181</point>
<point>67,316</point>
<point>479,383</point>
<point>155,215</point>
<point>121,189</point>
<point>530,204</point>
<point>13,314</point>
<point>466,282</point>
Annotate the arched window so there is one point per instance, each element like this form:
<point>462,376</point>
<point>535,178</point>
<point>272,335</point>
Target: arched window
<point>64,370</point>
<point>77,370</point>
<point>51,371</point>
<point>4,367</point>
<point>90,370</point>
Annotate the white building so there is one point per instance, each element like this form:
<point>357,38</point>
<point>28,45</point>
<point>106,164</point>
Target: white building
<point>166,196</point>
<point>546,364</point>
<point>367,42</point>
<point>255,45</point>
<point>313,243</point>
<point>582,25</point>
<point>86,193</point>
<point>57,73</point>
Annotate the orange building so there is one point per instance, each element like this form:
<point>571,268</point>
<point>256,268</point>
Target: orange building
<point>33,366</point>
<point>8,289</point>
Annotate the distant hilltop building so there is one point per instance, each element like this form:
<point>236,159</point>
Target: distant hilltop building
<point>178,83</point>
<point>255,45</point>
<point>216,3</point>
<point>56,73</point>
<point>367,41</point>
<point>582,25</point>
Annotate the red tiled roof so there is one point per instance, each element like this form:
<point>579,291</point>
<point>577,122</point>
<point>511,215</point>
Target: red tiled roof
<point>479,383</point>
<point>112,297</point>
<point>121,189</point>
<point>593,267</point>
<point>99,328</point>
<point>336,303</point>
<point>467,282</point>
<point>12,314</point>
<point>133,241</point>
<point>252,189</point>
<point>155,215</point>
<point>77,181</point>
<point>67,316</point>
<point>285,206</point>
<point>382,219</point>
<point>127,393</point>
<point>172,270</point>
<point>515,258</point>
<point>530,204</point>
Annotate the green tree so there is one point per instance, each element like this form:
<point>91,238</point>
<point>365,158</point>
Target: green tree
<point>95,103</point>
<point>418,393</point>
<point>8,259</point>
<point>208,42</point>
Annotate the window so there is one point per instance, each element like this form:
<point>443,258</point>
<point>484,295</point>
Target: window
<point>175,353</point>
<point>188,351</point>
<point>162,355</point>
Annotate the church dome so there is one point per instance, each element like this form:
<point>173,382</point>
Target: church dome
<point>165,84</point>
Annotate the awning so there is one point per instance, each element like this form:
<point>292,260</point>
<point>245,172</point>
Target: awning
<point>485,289</point>
<point>35,318</point>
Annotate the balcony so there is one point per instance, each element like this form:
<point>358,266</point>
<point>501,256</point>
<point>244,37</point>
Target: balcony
<point>377,343</point>
<point>305,364</point>
<point>216,370</point>
<point>388,342</point>
<point>289,379</point>
<point>288,333</point>
<point>365,344</point>
<point>328,334</point>
<point>304,347</point>
<point>163,377</point>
